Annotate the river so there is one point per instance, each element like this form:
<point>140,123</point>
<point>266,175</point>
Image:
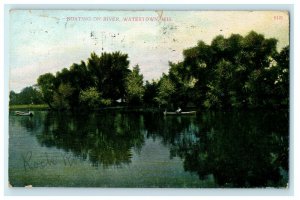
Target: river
<point>122,149</point>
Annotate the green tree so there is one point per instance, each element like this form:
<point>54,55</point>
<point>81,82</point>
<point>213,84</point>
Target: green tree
<point>134,87</point>
<point>106,73</point>
<point>78,77</point>
<point>28,95</point>
<point>166,90</point>
<point>60,97</point>
<point>92,98</point>
<point>151,91</point>
<point>232,72</point>
<point>281,76</point>
<point>184,81</point>
<point>109,72</point>
<point>198,62</point>
<point>46,85</point>
<point>13,98</point>
<point>221,94</point>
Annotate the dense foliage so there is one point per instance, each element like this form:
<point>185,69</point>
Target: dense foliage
<point>29,95</point>
<point>234,72</point>
<point>134,87</point>
<point>237,72</point>
<point>99,82</point>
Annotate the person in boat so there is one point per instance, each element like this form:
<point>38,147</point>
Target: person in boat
<point>178,110</point>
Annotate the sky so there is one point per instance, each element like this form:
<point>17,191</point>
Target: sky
<point>42,41</point>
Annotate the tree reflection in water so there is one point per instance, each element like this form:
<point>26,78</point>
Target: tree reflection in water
<point>104,139</point>
<point>237,149</point>
<point>31,124</point>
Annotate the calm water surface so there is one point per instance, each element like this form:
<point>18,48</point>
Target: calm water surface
<point>114,149</point>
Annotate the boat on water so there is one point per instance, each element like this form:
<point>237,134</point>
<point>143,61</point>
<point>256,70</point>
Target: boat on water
<point>180,113</point>
<point>20,113</point>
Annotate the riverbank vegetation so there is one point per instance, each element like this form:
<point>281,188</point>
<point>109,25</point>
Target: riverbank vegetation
<point>231,73</point>
<point>29,107</point>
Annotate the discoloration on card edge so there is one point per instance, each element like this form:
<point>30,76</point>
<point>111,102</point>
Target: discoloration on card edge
<point>28,186</point>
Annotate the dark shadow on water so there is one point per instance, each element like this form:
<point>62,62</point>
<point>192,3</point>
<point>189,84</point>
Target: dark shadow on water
<point>237,149</point>
<point>104,139</point>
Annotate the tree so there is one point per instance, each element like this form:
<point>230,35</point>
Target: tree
<point>47,87</point>
<point>232,72</point>
<point>13,98</point>
<point>221,93</point>
<point>259,82</point>
<point>281,72</point>
<point>28,95</point>
<point>91,98</point>
<point>106,73</point>
<point>198,62</point>
<point>78,77</point>
<point>151,91</point>
<point>109,72</point>
<point>184,81</point>
<point>166,90</point>
<point>134,87</point>
<point>60,97</point>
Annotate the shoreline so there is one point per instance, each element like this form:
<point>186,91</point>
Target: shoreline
<point>45,107</point>
<point>32,107</point>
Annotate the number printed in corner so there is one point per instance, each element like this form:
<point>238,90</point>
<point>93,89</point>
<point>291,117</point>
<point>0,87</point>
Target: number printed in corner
<point>278,17</point>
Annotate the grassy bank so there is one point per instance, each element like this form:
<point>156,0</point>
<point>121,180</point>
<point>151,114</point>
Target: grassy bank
<point>29,107</point>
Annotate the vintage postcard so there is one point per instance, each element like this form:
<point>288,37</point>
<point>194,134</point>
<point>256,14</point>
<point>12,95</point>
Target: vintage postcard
<point>149,99</point>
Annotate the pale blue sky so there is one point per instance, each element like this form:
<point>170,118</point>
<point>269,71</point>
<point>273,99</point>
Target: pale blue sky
<point>44,41</point>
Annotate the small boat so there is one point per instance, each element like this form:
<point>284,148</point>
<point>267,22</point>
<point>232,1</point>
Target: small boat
<point>180,113</point>
<point>20,113</point>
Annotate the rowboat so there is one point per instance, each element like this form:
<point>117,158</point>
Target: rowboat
<point>180,113</point>
<point>20,113</point>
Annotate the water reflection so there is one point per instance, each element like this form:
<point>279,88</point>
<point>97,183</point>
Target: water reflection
<point>236,149</point>
<point>31,124</point>
<point>104,139</point>
<point>239,150</point>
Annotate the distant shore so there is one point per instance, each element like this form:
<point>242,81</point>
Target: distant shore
<point>131,109</point>
<point>112,108</point>
<point>29,107</point>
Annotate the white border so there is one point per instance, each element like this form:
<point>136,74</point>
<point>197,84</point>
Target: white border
<point>187,192</point>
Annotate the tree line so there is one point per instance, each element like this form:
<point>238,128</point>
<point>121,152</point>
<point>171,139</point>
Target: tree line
<point>231,73</point>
